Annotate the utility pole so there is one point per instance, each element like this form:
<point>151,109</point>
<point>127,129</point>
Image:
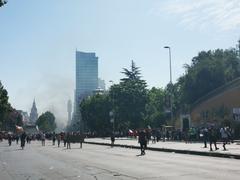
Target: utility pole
<point>171,88</point>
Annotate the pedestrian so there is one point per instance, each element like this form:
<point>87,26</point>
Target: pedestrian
<point>68,140</point>
<point>213,138</point>
<point>112,139</point>
<point>43,139</point>
<point>28,139</point>
<point>9,139</point>
<point>81,139</point>
<point>53,138</point>
<point>224,137</point>
<point>1,136</point>
<point>23,138</point>
<point>64,139</point>
<point>142,139</point>
<point>59,139</point>
<point>17,139</point>
<point>205,136</point>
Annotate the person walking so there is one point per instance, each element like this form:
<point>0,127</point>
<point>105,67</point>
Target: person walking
<point>17,139</point>
<point>224,137</point>
<point>205,136</point>
<point>68,141</point>
<point>213,138</point>
<point>23,139</point>
<point>59,139</point>
<point>9,139</point>
<point>53,138</point>
<point>81,139</point>
<point>64,139</point>
<point>43,139</point>
<point>142,139</point>
<point>112,139</point>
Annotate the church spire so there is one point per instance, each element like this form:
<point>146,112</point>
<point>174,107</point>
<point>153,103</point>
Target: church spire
<point>33,115</point>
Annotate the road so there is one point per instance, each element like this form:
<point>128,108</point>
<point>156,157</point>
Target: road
<point>105,163</point>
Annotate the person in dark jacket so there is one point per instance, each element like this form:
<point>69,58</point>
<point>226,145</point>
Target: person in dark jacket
<point>82,136</point>
<point>212,135</point>
<point>68,140</point>
<point>112,139</point>
<point>17,139</point>
<point>142,139</point>
<point>53,138</point>
<point>205,136</point>
<point>9,139</point>
<point>23,138</point>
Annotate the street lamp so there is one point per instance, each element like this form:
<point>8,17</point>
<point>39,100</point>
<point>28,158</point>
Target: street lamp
<point>170,67</point>
<point>111,113</point>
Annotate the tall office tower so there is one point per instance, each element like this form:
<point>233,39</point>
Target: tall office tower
<point>34,114</point>
<point>86,79</point>
<point>86,75</point>
<point>69,110</point>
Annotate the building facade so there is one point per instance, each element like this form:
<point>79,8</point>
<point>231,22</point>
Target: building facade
<point>86,75</point>
<point>34,114</point>
<point>219,107</point>
<point>101,84</point>
<point>86,81</point>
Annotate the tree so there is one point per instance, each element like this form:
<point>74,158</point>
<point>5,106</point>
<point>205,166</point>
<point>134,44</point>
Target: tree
<point>46,122</point>
<point>2,3</point>
<point>95,114</point>
<point>129,98</point>
<point>4,106</point>
<point>155,109</point>
<point>208,71</point>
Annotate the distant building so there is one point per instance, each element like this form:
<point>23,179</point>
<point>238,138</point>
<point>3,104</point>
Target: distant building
<point>219,107</point>
<point>86,81</point>
<point>86,75</point>
<point>98,91</point>
<point>34,114</point>
<point>25,117</point>
<point>101,84</point>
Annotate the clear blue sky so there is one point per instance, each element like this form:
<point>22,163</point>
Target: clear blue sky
<point>39,38</point>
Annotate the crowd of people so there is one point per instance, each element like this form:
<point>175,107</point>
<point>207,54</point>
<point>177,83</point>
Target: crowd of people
<point>210,135</point>
<point>66,138</point>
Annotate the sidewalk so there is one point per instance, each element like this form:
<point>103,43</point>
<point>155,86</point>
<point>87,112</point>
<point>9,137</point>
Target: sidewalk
<point>233,150</point>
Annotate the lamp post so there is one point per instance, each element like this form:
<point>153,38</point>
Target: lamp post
<point>170,67</point>
<point>111,113</point>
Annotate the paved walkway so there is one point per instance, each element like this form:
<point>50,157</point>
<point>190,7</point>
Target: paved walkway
<point>232,149</point>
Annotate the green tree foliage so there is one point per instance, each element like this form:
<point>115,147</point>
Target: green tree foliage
<point>46,122</point>
<point>13,118</point>
<point>95,114</point>
<point>155,108</point>
<point>4,106</point>
<point>2,2</point>
<point>129,98</point>
<point>208,71</point>
<point>9,117</point>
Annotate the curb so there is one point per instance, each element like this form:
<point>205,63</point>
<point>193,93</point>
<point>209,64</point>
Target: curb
<point>211,154</point>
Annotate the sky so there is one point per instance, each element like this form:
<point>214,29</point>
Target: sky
<point>38,40</point>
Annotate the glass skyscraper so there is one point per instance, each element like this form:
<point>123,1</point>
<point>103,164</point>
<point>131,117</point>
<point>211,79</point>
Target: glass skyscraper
<point>86,75</point>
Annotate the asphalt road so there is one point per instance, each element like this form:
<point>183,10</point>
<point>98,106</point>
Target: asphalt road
<point>105,163</point>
